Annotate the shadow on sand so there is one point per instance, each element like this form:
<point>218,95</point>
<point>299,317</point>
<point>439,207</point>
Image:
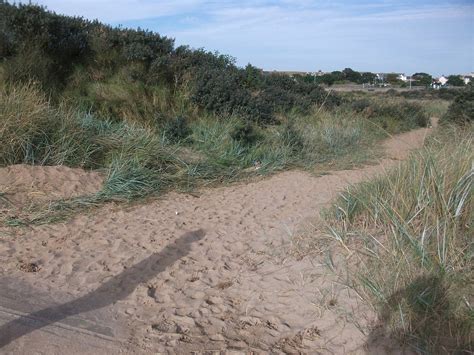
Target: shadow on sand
<point>113,290</point>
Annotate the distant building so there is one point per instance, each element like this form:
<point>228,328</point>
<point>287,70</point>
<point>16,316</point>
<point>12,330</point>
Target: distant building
<point>384,78</point>
<point>435,84</point>
<point>468,78</point>
<point>439,82</point>
<point>402,77</point>
<point>442,80</point>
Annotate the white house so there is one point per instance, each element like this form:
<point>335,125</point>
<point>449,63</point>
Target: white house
<point>442,80</point>
<point>468,78</point>
<point>402,77</point>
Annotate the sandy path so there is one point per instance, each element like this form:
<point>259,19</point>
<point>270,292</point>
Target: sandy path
<point>185,274</point>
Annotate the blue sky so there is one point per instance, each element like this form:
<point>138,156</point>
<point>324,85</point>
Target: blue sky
<point>402,36</point>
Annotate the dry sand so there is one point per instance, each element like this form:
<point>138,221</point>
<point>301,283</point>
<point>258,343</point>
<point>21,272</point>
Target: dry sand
<point>22,185</point>
<point>183,273</point>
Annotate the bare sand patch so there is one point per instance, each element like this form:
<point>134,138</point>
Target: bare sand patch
<point>22,185</point>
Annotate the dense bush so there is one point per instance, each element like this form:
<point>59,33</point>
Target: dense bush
<point>422,79</point>
<point>51,44</point>
<point>455,80</point>
<point>221,92</point>
<point>392,114</point>
<point>346,75</point>
<point>245,134</point>
<point>430,94</point>
<point>359,105</point>
<point>177,129</point>
<point>283,93</point>
<point>462,109</point>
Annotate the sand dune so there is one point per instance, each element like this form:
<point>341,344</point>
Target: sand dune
<point>185,273</point>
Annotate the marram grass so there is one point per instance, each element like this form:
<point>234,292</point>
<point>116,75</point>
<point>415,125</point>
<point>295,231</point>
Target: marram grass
<point>412,232</point>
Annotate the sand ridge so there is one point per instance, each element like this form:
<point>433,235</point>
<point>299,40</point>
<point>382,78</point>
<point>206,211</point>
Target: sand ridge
<point>187,274</point>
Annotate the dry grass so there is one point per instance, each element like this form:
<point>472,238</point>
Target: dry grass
<point>25,117</point>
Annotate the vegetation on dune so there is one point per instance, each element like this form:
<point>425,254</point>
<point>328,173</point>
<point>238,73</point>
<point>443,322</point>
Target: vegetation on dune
<point>455,80</point>
<point>139,160</point>
<point>346,75</point>
<point>462,109</point>
<point>439,94</point>
<point>411,231</point>
<point>402,116</point>
<point>155,117</point>
<point>125,74</point>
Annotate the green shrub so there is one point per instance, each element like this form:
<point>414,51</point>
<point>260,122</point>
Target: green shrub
<point>220,92</point>
<point>461,111</point>
<point>50,44</point>
<point>396,115</point>
<point>245,134</point>
<point>177,129</point>
<point>428,94</point>
<point>360,105</point>
<point>160,72</point>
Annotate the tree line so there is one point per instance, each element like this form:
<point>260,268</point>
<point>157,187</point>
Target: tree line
<point>355,77</point>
